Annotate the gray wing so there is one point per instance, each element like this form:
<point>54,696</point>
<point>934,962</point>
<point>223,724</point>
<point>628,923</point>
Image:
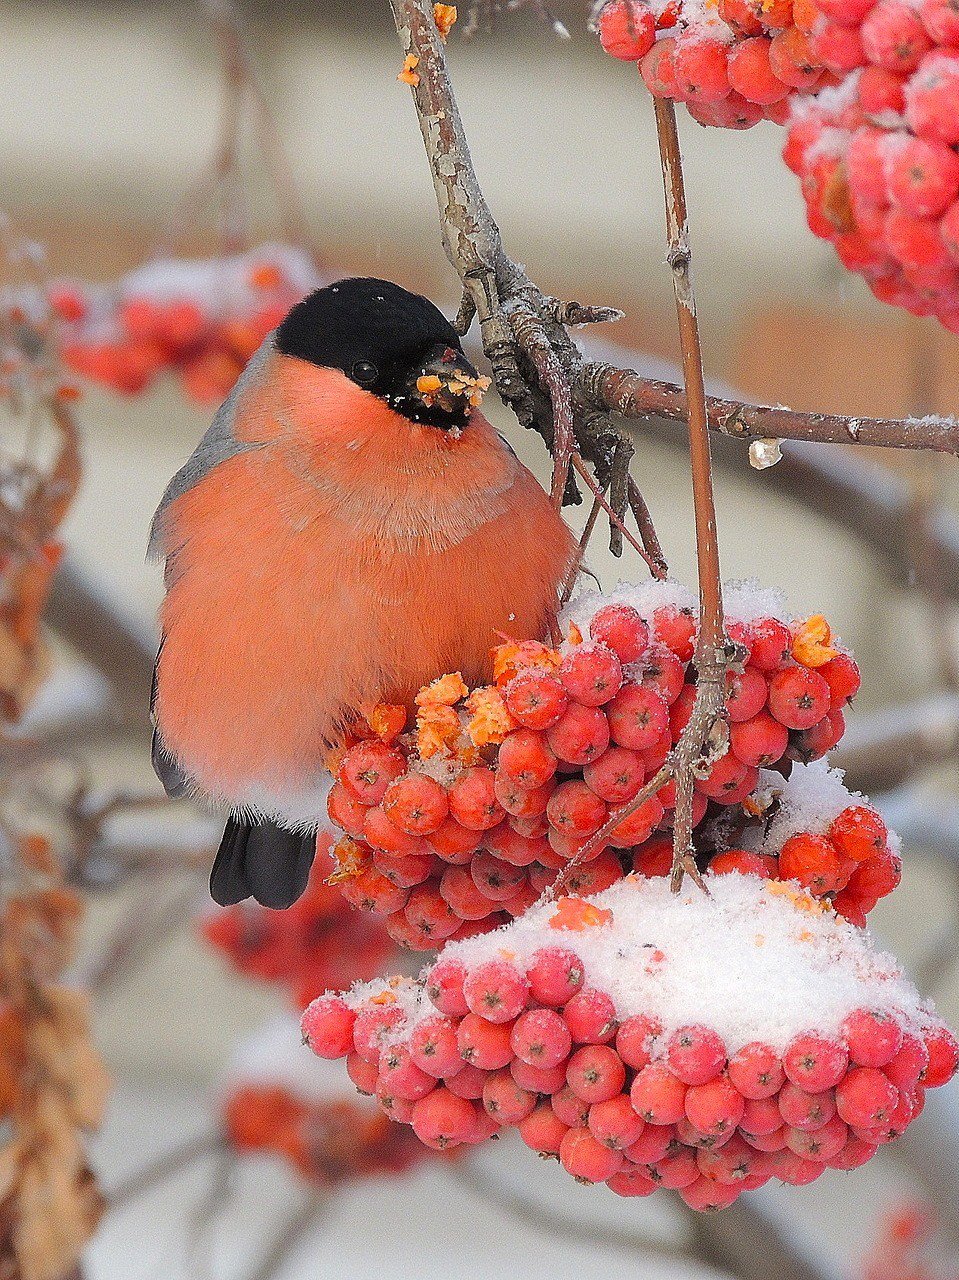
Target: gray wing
<point>217,445</point>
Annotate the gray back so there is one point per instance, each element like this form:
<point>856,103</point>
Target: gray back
<point>217,445</point>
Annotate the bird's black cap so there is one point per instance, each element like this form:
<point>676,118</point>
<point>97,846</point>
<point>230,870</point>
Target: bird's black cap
<point>380,336</point>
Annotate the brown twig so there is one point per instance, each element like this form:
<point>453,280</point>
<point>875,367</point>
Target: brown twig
<point>706,736</point>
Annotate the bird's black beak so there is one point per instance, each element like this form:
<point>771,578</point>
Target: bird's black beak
<point>447,381</point>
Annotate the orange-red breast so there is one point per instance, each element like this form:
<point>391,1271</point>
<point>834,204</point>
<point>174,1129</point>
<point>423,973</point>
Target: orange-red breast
<point>348,528</point>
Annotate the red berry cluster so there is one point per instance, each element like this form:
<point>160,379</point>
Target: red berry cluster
<point>626,1102</point>
<point>327,1142</point>
<point>851,863</point>
<point>315,944</point>
<point>465,827</point>
<point>879,157</point>
<point>200,320</point>
<point>732,65</point>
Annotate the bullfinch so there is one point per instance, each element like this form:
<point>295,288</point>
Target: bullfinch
<point>349,527</point>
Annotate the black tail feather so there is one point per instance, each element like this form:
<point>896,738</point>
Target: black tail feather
<point>263,861</point>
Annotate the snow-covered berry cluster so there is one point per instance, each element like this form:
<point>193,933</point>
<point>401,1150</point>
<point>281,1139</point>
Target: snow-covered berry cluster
<point>315,944</point>
<point>808,828</point>
<point>606,1033</point>
<point>733,63</point>
<point>201,319</point>
<point>463,823</point>
<point>878,156</point>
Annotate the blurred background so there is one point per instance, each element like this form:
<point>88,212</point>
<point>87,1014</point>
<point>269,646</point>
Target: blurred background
<point>107,114</point>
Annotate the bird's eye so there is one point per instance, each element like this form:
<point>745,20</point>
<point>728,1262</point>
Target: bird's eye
<point>364,372</point>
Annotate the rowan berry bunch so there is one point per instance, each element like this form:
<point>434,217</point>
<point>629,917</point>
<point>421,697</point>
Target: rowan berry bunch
<point>733,63</point>
<point>327,1142</point>
<point>808,829</point>
<point>462,823</point>
<point>878,156</point>
<point>601,1030</point>
<point>199,319</point>
<point>315,944</point>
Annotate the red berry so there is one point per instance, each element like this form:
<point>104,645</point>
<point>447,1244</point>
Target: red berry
<point>812,860</point>
<point>876,877</point>
<point>591,1017</point>
<point>760,741</point>
<point>369,768</point>
<point>444,986</point>
<point>893,37</point>
<point>750,73</point>
<point>545,1080</point>
<point>874,1038</point>
<point>614,1123</point>
<point>706,1196</point>
<point>442,1119</point>
<point>756,1071</point>
<point>715,1107</point>
<point>627,29</point>
<point>363,1074</point>
<point>575,810</point>
<point>663,673</point>
<point>434,1048</point>
<point>909,1065</point>
<point>745,694</point>
<point>327,1027</point>
<point>586,1159</point>
<point>814,743</point>
<point>526,758</point>
<point>798,697</point>
<point>941,20</point>
<point>853,1155</point>
<point>724,778</point>
<point>595,1073</point>
<point>570,1108</point>
<point>580,735</point>
<point>505,1101</point>
<point>675,1170</point>
<point>842,675</point>
<point>400,1077</point>
<point>820,1144</point>
<point>631,1181</point>
<point>772,644</point>
<point>701,71</point>
<point>638,717</point>
<point>535,698</point>
<point>484,1044</point>
<point>541,1037</point>
<point>695,1054</point>
<point>804,1110</point>
<point>657,1095</point>
<point>739,16</point>
<point>464,896</point>
<point>472,800</point>
<point>676,629</point>
<point>858,833</point>
<point>429,913</point>
<point>943,1050</point>
<point>453,843</point>
<point>497,880</point>
<point>814,1062</point>
<point>468,1082</point>
<point>865,1097</point>
<point>554,976</point>
<point>542,1130</point>
<point>344,810</point>
<point>792,60</point>
<point>658,69</point>
<point>881,91</point>
<point>930,98</point>
<point>496,991</point>
<point>404,870</point>
<point>591,674</point>
<point>384,835</point>
<point>616,776</point>
<point>923,176</point>
<point>747,864</point>
<point>761,1116</point>
<point>634,1039</point>
<point>621,629</point>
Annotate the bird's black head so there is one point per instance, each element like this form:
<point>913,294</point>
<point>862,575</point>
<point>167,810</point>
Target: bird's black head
<point>390,342</point>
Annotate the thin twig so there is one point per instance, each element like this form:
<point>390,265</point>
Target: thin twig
<point>165,1166</point>
<point>706,735</point>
